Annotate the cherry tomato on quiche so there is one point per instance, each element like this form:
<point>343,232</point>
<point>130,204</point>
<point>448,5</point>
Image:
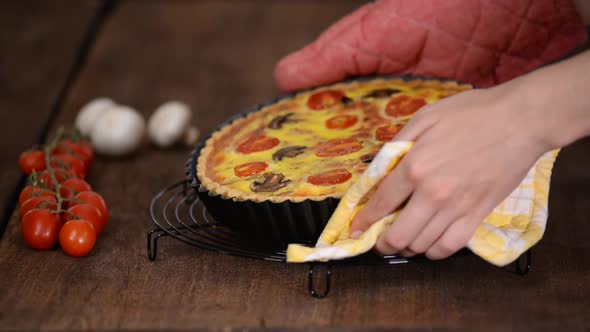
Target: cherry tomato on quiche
<point>40,229</point>
<point>87,212</point>
<point>80,149</point>
<point>341,121</point>
<point>404,105</point>
<point>32,161</point>
<point>33,191</point>
<point>94,199</point>
<point>70,162</point>
<point>71,187</point>
<point>77,238</point>
<point>331,177</point>
<point>257,143</point>
<point>325,99</point>
<point>338,147</point>
<point>248,169</point>
<point>60,174</point>
<point>42,203</point>
<point>387,133</point>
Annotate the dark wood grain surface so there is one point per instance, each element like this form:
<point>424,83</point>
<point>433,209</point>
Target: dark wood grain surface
<point>218,56</point>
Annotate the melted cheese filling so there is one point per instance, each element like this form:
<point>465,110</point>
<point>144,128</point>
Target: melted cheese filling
<point>307,127</point>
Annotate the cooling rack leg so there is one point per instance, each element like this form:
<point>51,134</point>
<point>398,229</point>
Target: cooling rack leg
<point>312,285</point>
<point>152,240</point>
<point>527,263</point>
<point>152,243</point>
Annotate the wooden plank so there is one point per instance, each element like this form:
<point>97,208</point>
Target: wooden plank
<point>218,56</point>
<point>38,45</point>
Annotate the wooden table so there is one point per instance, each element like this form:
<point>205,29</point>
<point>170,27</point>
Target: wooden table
<point>218,56</point>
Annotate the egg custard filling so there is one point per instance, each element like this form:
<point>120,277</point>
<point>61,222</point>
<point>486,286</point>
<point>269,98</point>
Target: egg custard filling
<point>315,144</point>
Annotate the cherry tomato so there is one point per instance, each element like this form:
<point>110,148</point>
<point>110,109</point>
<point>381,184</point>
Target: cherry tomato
<point>331,177</point>
<point>33,191</point>
<point>404,105</point>
<point>248,169</point>
<point>79,149</point>
<point>77,237</point>
<point>325,99</point>
<point>257,143</point>
<point>42,203</point>
<point>60,174</point>
<point>40,229</point>
<point>94,199</point>
<point>71,187</point>
<point>69,162</point>
<point>338,147</point>
<point>387,133</point>
<point>87,212</point>
<point>341,121</point>
<point>32,161</point>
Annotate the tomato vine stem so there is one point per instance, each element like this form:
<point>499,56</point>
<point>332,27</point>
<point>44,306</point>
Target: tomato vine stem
<point>47,152</point>
<point>57,186</point>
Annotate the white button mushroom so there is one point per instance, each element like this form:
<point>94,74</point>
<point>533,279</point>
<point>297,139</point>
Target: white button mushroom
<point>90,113</point>
<point>171,122</point>
<point>117,132</point>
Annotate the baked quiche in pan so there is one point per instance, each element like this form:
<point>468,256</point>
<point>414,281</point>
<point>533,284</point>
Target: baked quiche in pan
<point>305,148</point>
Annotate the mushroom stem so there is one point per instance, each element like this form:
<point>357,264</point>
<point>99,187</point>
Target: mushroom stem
<point>191,136</point>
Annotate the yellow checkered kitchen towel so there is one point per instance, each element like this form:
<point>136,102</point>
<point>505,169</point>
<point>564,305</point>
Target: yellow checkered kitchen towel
<point>512,227</point>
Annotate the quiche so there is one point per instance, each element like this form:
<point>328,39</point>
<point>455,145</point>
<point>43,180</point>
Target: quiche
<point>313,144</point>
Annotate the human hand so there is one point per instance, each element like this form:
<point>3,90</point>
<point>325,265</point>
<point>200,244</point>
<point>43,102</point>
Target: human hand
<point>471,150</point>
<point>482,42</point>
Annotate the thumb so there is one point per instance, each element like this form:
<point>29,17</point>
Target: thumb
<point>330,58</point>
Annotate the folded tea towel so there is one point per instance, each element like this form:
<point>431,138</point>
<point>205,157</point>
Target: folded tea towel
<point>513,227</point>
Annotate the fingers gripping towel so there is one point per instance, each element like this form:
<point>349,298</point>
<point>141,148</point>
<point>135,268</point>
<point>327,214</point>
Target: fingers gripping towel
<point>512,228</point>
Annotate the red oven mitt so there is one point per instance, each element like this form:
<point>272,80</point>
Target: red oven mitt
<point>484,42</point>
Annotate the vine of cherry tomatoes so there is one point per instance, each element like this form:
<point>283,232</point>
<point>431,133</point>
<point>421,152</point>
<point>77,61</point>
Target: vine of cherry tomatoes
<point>58,205</point>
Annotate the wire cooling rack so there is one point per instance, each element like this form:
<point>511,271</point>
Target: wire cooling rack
<point>177,212</point>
